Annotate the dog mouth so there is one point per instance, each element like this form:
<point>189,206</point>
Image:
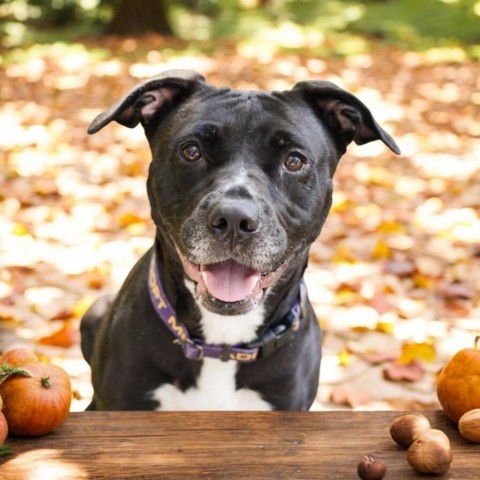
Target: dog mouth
<point>231,282</point>
<point>229,286</point>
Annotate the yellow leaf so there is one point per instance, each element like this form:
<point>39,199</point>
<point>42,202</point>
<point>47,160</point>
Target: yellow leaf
<point>343,255</point>
<point>385,327</point>
<point>381,250</point>
<point>390,227</point>
<point>381,176</point>
<point>130,219</point>
<point>422,281</point>
<point>136,228</point>
<point>346,295</point>
<point>411,351</point>
<point>341,203</point>
<point>344,358</point>
<point>82,306</point>
<point>19,230</point>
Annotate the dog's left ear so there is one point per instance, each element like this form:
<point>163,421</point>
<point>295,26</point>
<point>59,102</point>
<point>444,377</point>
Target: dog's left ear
<point>156,95</point>
<point>346,116</point>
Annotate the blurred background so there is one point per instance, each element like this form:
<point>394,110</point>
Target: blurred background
<point>395,274</point>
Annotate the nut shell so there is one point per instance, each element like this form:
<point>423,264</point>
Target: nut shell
<point>430,453</point>
<point>371,468</point>
<point>469,425</point>
<point>406,428</point>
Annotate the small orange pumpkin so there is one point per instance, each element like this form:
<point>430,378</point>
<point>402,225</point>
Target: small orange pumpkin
<point>36,404</point>
<point>18,357</point>
<point>458,384</point>
<point>3,428</point>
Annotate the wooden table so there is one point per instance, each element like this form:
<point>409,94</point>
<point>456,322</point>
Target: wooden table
<point>200,445</point>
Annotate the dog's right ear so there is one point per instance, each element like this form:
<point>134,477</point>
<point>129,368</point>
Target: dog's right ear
<point>158,94</point>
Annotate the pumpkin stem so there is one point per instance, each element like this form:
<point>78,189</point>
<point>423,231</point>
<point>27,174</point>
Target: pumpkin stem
<point>6,370</point>
<point>477,339</point>
<point>45,381</point>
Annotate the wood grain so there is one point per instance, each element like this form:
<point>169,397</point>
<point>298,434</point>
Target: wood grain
<point>217,445</point>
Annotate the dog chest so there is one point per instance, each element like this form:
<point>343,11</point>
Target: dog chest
<point>215,390</point>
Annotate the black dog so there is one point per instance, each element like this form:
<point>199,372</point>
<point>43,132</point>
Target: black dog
<point>215,315</point>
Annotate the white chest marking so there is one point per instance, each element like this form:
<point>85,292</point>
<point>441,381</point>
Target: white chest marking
<point>216,385</point>
<point>215,390</point>
<point>230,330</point>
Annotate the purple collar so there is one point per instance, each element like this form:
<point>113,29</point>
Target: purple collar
<point>196,349</point>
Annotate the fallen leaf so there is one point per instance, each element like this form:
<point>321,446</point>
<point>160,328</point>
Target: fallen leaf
<point>343,255</point>
<point>412,351</point>
<point>383,326</point>
<point>422,281</point>
<point>130,218</point>
<point>82,306</point>
<point>456,290</point>
<point>399,268</point>
<point>65,337</point>
<point>381,303</point>
<point>381,250</point>
<point>407,404</point>
<point>345,358</point>
<point>95,280</point>
<point>456,309</point>
<point>19,230</point>
<point>65,314</point>
<point>348,396</point>
<point>396,372</point>
<point>376,358</point>
<point>430,266</point>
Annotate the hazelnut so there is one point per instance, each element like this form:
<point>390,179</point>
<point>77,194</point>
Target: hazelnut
<point>469,425</point>
<point>371,468</point>
<point>406,428</point>
<point>430,453</point>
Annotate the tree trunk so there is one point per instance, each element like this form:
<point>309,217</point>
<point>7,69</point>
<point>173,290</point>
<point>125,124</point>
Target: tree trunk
<point>136,17</point>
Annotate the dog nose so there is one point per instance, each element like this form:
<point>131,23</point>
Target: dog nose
<point>237,218</point>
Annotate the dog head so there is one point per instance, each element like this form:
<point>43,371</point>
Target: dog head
<point>241,181</point>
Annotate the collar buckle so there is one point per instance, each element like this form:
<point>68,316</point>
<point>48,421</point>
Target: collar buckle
<point>276,338</point>
<point>279,335</point>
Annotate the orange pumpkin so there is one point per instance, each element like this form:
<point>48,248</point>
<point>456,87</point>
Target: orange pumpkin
<point>458,385</point>
<point>18,357</point>
<point>36,404</point>
<point>3,428</point>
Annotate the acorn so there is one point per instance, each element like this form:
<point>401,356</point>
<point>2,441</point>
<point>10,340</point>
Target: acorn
<point>406,428</point>
<point>430,453</point>
<point>371,468</point>
<point>469,425</point>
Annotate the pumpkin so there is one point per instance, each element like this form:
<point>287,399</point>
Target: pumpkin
<point>18,357</point>
<point>458,384</point>
<point>3,428</point>
<point>36,404</point>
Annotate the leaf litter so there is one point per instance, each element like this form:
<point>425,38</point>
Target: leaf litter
<point>393,277</point>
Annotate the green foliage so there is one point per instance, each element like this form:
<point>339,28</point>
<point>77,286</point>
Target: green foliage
<point>5,451</point>
<point>410,24</point>
<point>418,22</point>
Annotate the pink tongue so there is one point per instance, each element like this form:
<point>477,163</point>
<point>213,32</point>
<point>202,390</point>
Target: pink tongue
<point>229,281</point>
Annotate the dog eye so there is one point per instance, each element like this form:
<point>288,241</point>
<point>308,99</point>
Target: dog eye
<point>191,152</point>
<point>295,162</point>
